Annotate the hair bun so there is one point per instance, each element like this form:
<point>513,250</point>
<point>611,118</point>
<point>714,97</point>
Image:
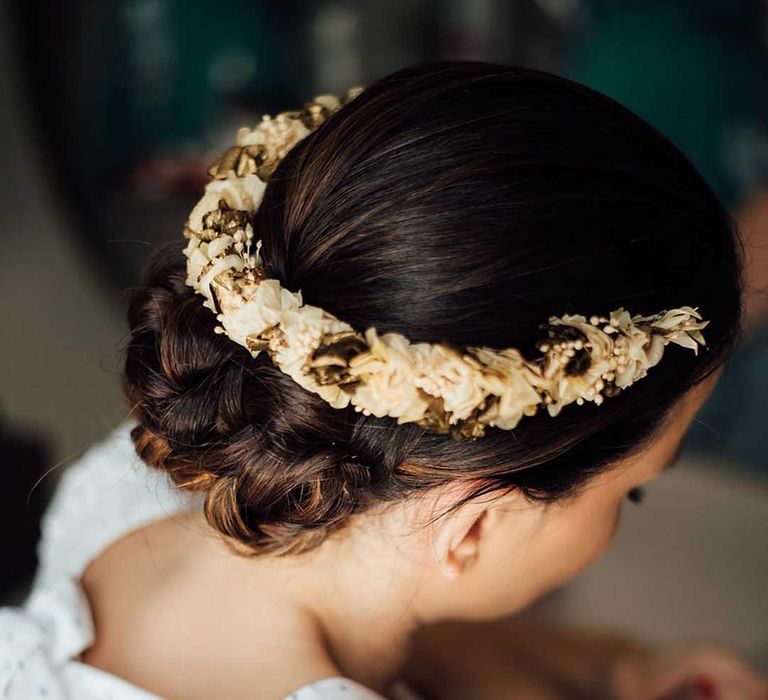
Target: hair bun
<point>217,421</point>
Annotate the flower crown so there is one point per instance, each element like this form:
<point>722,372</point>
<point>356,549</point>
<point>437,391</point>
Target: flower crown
<point>438,386</point>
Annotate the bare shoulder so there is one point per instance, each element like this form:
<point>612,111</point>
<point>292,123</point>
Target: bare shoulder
<point>170,596</point>
<point>130,588</point>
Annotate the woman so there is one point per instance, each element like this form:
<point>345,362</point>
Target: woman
<point>410,380</point>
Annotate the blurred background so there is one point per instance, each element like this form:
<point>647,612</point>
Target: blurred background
<point>110,112</point>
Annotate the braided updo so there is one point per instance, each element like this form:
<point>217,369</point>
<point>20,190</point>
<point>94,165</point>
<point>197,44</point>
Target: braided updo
<point>456,202</point>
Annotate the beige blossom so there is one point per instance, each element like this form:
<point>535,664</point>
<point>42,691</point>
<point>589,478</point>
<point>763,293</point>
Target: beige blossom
<point>276,135</point>
<point>683,327</point>
<point>387,371</point>
<point>266,308</point>
<point>444,373</point>
<point>506,375</point>
<point>302,330</point>
<point>600,343</point>
<point>240,193</point>
<point>203,266</point>
<point>644,350</point>
<point>567,388</point>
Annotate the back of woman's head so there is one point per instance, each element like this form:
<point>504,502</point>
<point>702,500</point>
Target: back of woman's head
<point>451,202</point>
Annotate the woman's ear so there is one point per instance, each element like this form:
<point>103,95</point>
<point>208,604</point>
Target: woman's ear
<point>458,535</point>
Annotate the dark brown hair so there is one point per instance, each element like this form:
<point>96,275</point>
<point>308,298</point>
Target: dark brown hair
<point>458,202</point>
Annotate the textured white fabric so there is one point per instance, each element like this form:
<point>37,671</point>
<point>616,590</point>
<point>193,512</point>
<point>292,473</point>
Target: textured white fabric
<point>105,494</point>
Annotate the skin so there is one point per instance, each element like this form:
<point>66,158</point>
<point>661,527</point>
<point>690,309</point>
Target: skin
<point>352,606</point>
<point>752,218</point>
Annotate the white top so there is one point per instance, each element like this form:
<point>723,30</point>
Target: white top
<point>108,492</point>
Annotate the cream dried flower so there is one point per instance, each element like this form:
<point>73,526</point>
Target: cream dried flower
<point>444,373</point>
<point>301,332</point>
<point>387,371</point>
<point>506,375</point>
<point>683,327</point>
<point>642,349</point>
<point>239,193</point>
<point>203,265</point>
<point>276,136</point>
<point>569,385</point>
<point>270,304</point>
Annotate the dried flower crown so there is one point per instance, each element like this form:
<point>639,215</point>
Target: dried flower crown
<point>437,386</point>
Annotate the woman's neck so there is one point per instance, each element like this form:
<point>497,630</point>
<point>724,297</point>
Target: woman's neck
<point>357,609</point>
